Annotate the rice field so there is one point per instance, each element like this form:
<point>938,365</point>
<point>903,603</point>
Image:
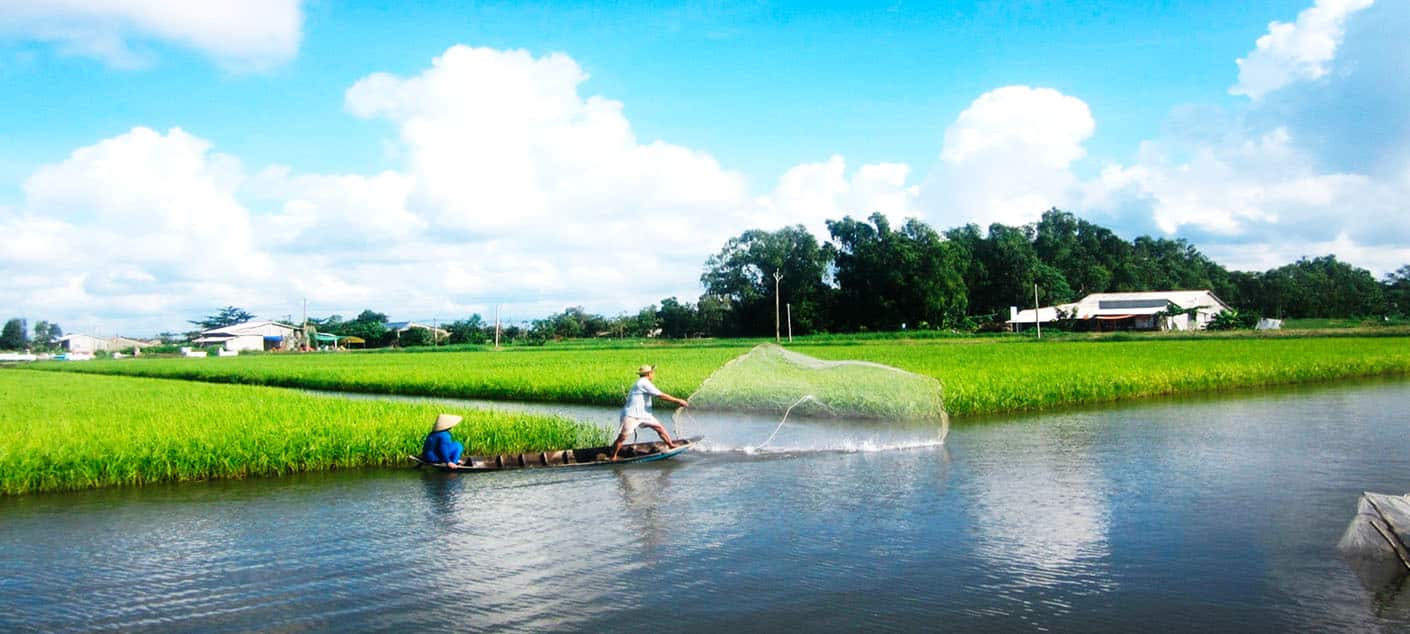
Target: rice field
<point>979,376</point>
<point>1034,376</point>
<point>63,431</point>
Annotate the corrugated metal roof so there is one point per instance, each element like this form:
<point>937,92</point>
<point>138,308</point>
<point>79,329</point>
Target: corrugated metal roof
<point>1134,303</point>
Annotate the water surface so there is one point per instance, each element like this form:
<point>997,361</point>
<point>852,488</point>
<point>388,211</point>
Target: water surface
<point>1186,514</point>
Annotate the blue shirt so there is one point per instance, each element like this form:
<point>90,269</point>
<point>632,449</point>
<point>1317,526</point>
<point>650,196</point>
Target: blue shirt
<point>439,447</point>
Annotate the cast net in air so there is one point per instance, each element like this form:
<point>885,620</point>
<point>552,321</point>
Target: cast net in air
<point>775,399</point>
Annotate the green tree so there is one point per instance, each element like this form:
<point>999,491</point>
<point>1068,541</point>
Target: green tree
<point>13,336</point>
<point>713,313</point>
<point>329,324</point>
<point>1397,291</point>
<point>743,274</point>
<point>1317,287</point>
<point>415,337</point>
<point>370,326</point>
<point>1085,254</point>
<point>1011,267</point>
<point>470,330</point>
<point>675,319</point>
<point>46,335</point>
<point>887,279</point>
<point>228,316</point>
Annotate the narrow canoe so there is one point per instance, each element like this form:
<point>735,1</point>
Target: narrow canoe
<point>635,452</point>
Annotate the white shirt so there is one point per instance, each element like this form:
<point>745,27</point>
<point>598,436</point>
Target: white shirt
<point>639,399</point>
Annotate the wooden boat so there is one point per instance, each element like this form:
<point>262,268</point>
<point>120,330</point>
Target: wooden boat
<point>591,456</point>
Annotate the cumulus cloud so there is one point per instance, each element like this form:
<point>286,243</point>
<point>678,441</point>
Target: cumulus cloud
<point>1295,173</point>
<point>812,193</point>
<point>1008,157</point>
<point>1295,52</point>
<point>239,34</point>
<point>138,224</point>
<point>518,189</point>
<point>502,142</point>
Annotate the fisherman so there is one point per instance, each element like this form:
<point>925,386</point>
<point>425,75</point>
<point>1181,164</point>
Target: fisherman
<point>637,411</point>
<point>439,448</point>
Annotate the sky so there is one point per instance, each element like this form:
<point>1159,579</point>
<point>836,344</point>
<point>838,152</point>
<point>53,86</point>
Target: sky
<point>161,159</point>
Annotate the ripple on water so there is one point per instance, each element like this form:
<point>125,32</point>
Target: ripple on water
<point>1200,514</point>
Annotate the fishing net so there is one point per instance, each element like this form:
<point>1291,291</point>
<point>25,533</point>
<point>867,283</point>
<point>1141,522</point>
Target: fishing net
<point>770,384</point>
<point>1375,542</point>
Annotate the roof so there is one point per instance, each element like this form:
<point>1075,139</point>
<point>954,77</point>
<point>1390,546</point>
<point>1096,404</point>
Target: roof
<point>1183,299</point>
<point>1045,314</point>
<point>407,325</point>
<point>1109,305</point>
<point>241,328</point>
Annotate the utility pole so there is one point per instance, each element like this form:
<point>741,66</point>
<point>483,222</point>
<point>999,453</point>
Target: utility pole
<point>777,276</point>
<point>790,322</point>
<point>1037,321</point>
<point>496,327</point>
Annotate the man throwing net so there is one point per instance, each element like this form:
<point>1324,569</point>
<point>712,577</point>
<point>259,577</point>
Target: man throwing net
<point>637,410</point>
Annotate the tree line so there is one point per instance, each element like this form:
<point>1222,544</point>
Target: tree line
<point>869,275</point>
<point>872,276</point>
<point>14,335</point>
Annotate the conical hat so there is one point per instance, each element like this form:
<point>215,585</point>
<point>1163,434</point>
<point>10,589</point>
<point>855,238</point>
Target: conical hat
<point>446,421</point>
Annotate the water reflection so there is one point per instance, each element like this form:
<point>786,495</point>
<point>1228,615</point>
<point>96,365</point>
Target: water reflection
<point>1202,515</point>
<point>1041,508</point>
<point>642,492</point>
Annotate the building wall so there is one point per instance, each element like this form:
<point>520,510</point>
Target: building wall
<point>85,343</point>
<point>245,342</point>
<point>271,330</point>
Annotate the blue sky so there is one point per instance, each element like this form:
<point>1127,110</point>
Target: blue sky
<point>1136,115</point>
<point>761,87</point>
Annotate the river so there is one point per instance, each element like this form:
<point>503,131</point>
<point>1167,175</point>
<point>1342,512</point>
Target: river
<point>1184,514</point>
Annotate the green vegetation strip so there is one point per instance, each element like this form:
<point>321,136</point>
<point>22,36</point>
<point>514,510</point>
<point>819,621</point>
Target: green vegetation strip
<point>979,376</point>
<point>68,431</point>
<point>1032,376</point>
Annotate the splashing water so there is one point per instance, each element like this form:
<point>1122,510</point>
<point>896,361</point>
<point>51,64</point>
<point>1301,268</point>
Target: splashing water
<point>797,403</point>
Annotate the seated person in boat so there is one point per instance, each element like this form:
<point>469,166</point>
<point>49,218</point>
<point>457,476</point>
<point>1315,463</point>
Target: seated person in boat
<point>439,447</point>
<point>637,411</point>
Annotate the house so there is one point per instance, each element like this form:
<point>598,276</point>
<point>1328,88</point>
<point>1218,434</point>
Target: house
<point>1147,310</point>
<point>253,335</point>
<point>89,344</point>
<point>126,343</point>
<point>82,344</point>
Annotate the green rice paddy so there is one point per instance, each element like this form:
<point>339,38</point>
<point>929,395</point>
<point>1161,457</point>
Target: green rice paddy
<point>61,431</point>
<point>979,376</point>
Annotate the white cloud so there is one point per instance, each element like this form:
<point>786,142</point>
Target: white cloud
<point>520,190</point>
<point>1252,190</point>
<point>337,211</point>
<point>239,34</point>
<point>136,224</point>
<point>1008,157</point>
<point>501,142</point>
<point>812,193</point>
<point>1296,52</point>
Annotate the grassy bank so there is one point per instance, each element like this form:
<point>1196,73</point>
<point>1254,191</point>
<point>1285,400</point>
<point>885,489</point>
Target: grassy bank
<point>979,375</point>
<point>71,431</point>
<point>1032,376</point>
